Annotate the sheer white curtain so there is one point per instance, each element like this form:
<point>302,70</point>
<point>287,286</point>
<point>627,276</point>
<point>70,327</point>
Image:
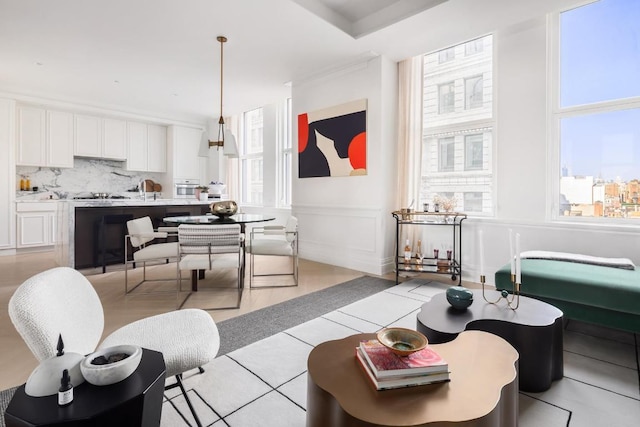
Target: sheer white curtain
<point>232,164</point>
<point>409,143</point>
<point>409,131</point>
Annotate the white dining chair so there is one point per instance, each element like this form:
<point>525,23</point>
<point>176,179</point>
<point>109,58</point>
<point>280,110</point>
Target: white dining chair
<point>274,240</point>
<point>210,247</point>
<point>141,236</point>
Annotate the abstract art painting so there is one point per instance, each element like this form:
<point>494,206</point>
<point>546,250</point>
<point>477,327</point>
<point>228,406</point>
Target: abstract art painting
<point>333,141</point>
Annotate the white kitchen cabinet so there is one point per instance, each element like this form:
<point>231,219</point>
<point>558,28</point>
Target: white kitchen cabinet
<point>7,174</point>
<point>186,143</point>
<point>44,137</point>
<point>88,136</point>
<point>59,137</point>
<point>147,147</point>
<point>36,224</point>
<point>137,146</point>
<point>31,150</point>
<point>157,148</point>
<point>114,139</point>
<point>99,137</point>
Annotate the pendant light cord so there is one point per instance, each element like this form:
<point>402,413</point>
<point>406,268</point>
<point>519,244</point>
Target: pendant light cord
<point>222,40</point>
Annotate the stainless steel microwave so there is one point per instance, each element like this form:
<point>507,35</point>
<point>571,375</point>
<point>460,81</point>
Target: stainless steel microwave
<point>185,189</point>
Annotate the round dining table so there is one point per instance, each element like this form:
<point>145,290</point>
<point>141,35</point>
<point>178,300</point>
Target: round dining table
<point>241,218</point>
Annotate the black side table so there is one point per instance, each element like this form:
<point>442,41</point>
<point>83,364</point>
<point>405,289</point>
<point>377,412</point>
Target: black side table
<point>135,401</point>
<point>534,329</point>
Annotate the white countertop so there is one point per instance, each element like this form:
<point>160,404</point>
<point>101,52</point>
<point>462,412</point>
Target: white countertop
<point>121,202</point>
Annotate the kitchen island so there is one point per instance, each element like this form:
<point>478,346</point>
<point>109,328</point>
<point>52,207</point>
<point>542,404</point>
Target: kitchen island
<point>78,221</point>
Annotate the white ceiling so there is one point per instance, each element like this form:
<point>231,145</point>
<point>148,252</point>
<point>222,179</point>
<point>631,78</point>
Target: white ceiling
<point>160,58</point>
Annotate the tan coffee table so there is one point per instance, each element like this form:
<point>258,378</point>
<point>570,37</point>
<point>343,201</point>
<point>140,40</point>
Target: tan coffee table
<point>483,390</point>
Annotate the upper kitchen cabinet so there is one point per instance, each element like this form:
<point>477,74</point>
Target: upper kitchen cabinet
<point>99,137</point>
<point>147,147</point>
<point>157,146</point>
<point>45,138</point>
<point>185,142</point>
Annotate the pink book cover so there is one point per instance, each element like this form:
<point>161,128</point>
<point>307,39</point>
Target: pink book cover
<point>385,363</point>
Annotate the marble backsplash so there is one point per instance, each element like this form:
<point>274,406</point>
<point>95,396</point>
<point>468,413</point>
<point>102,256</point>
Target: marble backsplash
<point>87,175</point>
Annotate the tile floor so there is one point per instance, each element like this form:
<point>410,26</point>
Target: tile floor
<point>264,384</point>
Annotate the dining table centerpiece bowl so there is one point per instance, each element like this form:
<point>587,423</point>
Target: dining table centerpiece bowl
<point>402,341</point>
<point>111,365</point>
<point>224,208</point>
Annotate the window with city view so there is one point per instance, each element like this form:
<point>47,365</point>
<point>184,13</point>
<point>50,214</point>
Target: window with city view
<point>457,133</point>
<point>599,110</point>
<point>251,157</point>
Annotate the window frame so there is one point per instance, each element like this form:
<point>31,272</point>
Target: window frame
<point>284,157</point>
<point>245,161</point>
<point>452,93</point>
<point>484,122</point>
<point>555,114</point>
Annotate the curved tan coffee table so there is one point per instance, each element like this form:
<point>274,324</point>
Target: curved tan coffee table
<point>483,390</point>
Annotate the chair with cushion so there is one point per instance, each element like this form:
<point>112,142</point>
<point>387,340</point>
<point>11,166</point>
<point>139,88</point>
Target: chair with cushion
<point>61,301</point>
<point>141,235</point>
<point>275,240</point>
<point>210,247</point>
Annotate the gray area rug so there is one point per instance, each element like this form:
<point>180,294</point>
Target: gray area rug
<point>248,328</point>
<point>243,330</point>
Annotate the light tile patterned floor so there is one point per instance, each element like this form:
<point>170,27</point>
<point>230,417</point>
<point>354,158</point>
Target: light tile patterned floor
<point>264,384</point>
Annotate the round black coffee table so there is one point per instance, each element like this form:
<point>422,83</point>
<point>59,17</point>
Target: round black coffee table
<point>534,329</point>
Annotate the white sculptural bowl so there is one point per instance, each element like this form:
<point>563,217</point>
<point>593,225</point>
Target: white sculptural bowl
<point>114,372</point>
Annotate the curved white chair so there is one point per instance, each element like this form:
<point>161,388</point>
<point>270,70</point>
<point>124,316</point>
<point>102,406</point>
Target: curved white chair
<point>210,247</point>
<point>61,301</point>
<point>274,240</point>
<point>141,235</point>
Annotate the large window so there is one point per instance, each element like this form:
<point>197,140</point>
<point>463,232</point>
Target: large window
<point>446,155</point>
<point>251,158</point>
<point>284,155</point>
<point>446,98</point>
<point>457,142</point>
<point>473,92</point>
<point>598,110</point>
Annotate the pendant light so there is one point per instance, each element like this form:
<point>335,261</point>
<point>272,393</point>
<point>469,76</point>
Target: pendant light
<point>225,138</point>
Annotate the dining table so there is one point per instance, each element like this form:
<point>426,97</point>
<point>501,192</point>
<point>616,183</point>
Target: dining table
<point>241,218</point>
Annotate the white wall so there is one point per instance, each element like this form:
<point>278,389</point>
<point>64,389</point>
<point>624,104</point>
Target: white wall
<point>346,221</point>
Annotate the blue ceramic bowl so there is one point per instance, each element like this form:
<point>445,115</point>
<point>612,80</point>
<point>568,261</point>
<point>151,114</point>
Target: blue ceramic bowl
<point>459,297</point>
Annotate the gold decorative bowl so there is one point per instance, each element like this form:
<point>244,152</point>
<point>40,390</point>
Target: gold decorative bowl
<point>224,209</point>
<point>402,341</point>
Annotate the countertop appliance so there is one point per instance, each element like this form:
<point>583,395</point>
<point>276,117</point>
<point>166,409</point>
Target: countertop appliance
<point>185,189</point>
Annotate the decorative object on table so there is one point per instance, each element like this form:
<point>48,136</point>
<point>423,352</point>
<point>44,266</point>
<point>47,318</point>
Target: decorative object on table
<point>388,370</point>
<point>407,255</point>
<point>217,187</point>
<point>419,255</point>
<point>224,209</point>
<point>384,363</point>
<point>513,299</point>
<point>65,392</point>
<point>225,138</point>
<point>333,141</point>
<point>402,341</point>
<point>111,365</point>
<point>459,297</point>
<point>202,193</point>
<point>45,379</point>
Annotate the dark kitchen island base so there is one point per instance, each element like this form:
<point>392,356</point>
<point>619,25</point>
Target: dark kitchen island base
<point>79,238</point>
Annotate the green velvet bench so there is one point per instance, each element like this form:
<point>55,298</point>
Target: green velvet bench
<point>598,294</point>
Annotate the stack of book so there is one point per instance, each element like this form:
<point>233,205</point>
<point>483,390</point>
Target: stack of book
<point>387,370</point>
